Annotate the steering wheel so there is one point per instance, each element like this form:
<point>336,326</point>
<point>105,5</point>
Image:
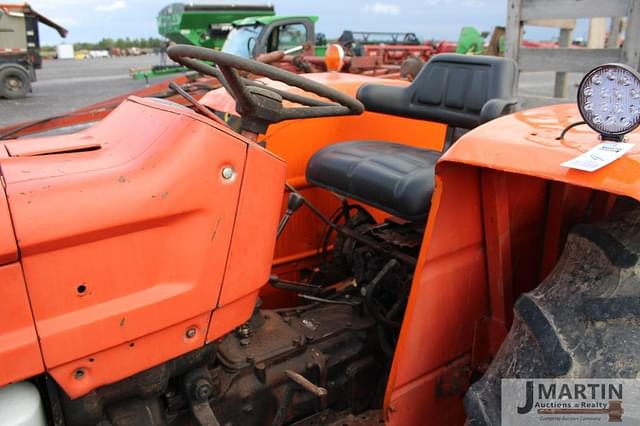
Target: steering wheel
<point>259,104</point>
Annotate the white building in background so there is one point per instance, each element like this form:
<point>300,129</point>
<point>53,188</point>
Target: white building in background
<point>64,51</point>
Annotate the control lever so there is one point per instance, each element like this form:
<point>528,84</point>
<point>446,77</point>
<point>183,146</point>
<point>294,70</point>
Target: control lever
<point>294,202</point>
<point>281,284</point>
<point>289,390</point>
<point>197,105</point>
<point>306,384</point>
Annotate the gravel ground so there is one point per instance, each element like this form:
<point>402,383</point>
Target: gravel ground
<point>65,85</point>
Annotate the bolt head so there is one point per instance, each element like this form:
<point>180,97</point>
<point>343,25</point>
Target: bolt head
<point>79,373</point>
<point>203,390</point>
<point>228,173</point>
<point>191,333</point>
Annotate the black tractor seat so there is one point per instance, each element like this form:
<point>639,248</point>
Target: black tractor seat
<point>395,178</point>
<point>461,91</point>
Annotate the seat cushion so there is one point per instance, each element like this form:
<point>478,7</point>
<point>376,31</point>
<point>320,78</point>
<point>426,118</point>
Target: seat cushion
<point>396,178</point>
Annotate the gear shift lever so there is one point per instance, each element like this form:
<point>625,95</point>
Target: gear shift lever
<point>294,203</point>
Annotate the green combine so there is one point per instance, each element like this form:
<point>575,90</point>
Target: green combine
<point>205,25</point>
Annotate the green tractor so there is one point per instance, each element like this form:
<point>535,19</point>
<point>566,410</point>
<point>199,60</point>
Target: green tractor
<point>251,37</point>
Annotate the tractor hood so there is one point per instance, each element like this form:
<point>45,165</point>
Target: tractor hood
<point>8,246</point>
<point>126,232</point>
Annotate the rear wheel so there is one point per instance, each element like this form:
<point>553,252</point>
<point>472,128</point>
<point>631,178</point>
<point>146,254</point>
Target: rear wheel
<point>14,83</point>
<point>583,321</point>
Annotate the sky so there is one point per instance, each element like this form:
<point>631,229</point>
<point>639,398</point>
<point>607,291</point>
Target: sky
<point>92,20</point>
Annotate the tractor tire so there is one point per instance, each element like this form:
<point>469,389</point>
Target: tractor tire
<point>15,82</point>
<point>582,321</point>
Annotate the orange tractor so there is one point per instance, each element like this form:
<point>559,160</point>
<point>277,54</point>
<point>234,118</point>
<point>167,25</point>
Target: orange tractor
<point>338,249</point>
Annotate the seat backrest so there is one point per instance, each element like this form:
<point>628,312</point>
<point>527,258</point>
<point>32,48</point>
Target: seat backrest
<point>462,91</point>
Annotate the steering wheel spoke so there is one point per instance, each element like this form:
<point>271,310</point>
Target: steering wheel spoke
<point>244,103</point>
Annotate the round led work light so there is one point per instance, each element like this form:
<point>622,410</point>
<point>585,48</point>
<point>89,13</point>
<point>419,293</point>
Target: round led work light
<point>609,100</point>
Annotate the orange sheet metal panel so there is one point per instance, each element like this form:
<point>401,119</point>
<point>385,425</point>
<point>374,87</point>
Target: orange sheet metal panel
<point>19,351</point>
<point>448,296</point>
<point>254,234</point>
<point>8,246</point>
<point>296,141</point>
<point>483,225</point>
<point>124,360</point>
<point>425,402</point>
<point>526,144</point>
<point>133,237</point>
<point>70,143</point>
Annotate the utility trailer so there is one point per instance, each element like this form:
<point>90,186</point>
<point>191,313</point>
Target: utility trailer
<point>20,48</point>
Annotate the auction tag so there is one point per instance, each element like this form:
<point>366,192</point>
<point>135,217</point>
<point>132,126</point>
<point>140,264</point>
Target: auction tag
<point>599,156</point>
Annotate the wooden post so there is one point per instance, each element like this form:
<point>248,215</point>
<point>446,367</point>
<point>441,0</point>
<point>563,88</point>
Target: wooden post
<point>597,33</point>
<point>561,89</point>
<point>513,33</point>
<point>631,47</point>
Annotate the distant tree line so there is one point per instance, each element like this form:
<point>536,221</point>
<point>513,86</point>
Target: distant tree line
<point>121,43</point>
